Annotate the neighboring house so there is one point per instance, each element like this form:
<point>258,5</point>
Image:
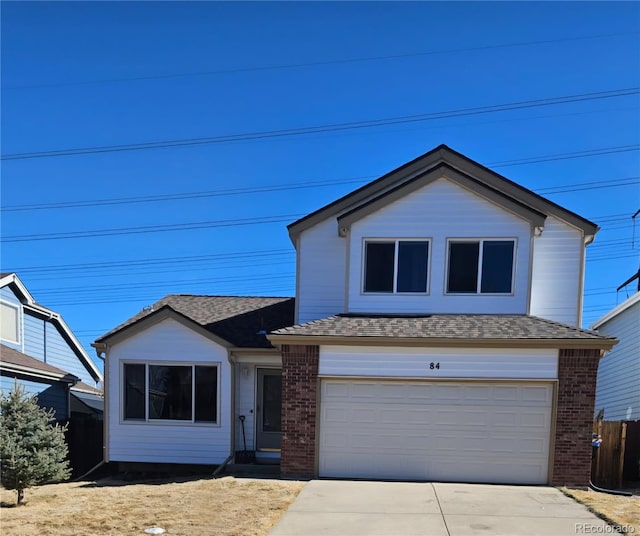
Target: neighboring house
<point>434,338</point>
<point>618,386</point>
<point>41,353</point>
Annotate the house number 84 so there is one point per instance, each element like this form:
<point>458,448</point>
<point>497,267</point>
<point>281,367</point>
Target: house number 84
<point>433,366</point>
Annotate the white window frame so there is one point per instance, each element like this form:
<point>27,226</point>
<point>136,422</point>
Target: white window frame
<point>396,242</point>
<point>169,422</point>
<point>18,322</point>
<point>481,241</point>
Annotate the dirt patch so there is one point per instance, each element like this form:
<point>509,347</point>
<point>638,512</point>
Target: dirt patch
<point>225,506</point>
<point>616,509</point>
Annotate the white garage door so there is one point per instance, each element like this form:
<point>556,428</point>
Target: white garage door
<point>442,431</point>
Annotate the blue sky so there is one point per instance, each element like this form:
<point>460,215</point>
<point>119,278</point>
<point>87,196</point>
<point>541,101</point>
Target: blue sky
<point>101,74</point>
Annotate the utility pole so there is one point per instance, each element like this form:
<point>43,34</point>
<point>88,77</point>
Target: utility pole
<point>637,274</point>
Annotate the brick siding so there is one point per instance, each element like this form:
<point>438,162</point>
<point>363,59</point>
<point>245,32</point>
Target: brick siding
<point>577,371</point>
<point>299,410</point>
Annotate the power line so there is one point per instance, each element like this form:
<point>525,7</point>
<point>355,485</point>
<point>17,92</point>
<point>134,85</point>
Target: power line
<point>319,63</point>
<point>151,228</point>
<point>230,222</point>
<point>188,195</point>
<point>310,184</point>
<point>550,101</point>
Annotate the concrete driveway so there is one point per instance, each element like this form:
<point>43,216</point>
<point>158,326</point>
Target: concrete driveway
<point>348,508</point>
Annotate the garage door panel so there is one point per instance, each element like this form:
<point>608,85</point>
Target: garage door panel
<point>436,431</point>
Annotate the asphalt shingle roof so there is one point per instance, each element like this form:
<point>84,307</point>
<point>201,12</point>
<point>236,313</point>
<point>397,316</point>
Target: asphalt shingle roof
<point>441,326</point>
<point>240,320</point>
<point>9,355</point>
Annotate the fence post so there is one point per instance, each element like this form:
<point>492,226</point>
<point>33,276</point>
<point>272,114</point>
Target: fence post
<point>623,440</point>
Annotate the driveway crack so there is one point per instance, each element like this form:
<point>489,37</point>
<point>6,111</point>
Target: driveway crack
<point>444,520</point>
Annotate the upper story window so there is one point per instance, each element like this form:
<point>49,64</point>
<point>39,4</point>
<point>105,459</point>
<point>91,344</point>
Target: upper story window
<point>399,266</point>
<point>480,266</point>
<point>9,323</point>
<point>158,392</point>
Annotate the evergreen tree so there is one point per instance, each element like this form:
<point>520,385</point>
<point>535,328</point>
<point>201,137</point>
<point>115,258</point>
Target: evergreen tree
<point>33,450</point>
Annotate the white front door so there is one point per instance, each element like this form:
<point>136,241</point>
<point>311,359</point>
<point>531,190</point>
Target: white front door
<point>464,431</point>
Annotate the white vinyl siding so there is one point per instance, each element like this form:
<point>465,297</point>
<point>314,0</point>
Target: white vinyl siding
<point>246,389</point>
<point>168,442</point>
<point>398,362</point>
<point>440,211</point>
<point>618,387</point>
<point>472,431</point>
<point>321,272</point>
<point>557,278</point>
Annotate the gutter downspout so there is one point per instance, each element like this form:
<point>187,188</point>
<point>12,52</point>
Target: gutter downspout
<point>101,352</point>
<point>232,412</point>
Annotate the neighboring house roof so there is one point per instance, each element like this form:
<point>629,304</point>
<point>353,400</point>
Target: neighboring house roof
<point>13,361</point>
<point>616,311</point>
<point>450,329</point>
<point>242,321</point>
<point>484,181</point>
<point>11,279</point>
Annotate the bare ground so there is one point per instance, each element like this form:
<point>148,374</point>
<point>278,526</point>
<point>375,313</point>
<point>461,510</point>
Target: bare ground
<point>616,509</point>
<point>223,507</point>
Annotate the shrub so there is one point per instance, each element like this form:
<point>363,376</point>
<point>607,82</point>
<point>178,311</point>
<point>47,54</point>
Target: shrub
<point>33,450</point>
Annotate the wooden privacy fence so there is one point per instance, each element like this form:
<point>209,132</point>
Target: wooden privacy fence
<point>607,464</point>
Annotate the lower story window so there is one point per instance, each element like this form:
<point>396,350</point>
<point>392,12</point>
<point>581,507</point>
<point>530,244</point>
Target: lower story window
<point>187,393</point>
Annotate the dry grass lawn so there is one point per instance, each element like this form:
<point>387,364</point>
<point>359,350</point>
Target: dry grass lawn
<point>224,506</point>
<point>624,511</point>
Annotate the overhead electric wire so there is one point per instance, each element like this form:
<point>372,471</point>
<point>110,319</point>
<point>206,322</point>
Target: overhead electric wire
<point>550,101</point>
<point>235,223</point>
<point>188,195</point>
<point>319,63</point>
<point>152,228</point>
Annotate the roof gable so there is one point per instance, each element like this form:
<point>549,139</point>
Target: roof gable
<point>441,155</point>
<point>229,320</point>
<point>440,171</point>
<point>32,307</point>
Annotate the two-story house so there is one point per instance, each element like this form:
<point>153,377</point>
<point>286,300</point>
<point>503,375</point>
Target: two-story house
<point>40,353</point>
<point>434,337</point>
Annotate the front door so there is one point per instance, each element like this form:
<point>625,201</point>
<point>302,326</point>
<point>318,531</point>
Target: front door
<point>269,402</point>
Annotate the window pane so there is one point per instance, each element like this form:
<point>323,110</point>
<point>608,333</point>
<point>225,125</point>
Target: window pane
<point>463,267</point>
<point>272,402</point>
<point>379,266</point>
<point>9,322</point>
<point>170,392</point>
<point>133,391</point>
<point>206,394</point>
<point>412,266</point>
<point>497,266</point>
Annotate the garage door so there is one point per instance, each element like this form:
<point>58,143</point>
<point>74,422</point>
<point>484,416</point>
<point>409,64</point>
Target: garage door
<point>443,431</point>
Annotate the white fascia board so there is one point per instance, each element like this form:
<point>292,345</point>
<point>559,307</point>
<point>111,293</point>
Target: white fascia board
<point>73,340</point>
<point>14,279</point>
<point>616,311</point>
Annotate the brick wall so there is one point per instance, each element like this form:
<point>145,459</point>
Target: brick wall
<point>299,410</point>
<point>577,371</point>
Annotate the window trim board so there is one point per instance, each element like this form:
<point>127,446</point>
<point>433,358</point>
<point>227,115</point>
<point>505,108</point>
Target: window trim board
<point>170,422</point>
<point>514,263</point>
<point>19,323</point>
<point>396,241</point>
